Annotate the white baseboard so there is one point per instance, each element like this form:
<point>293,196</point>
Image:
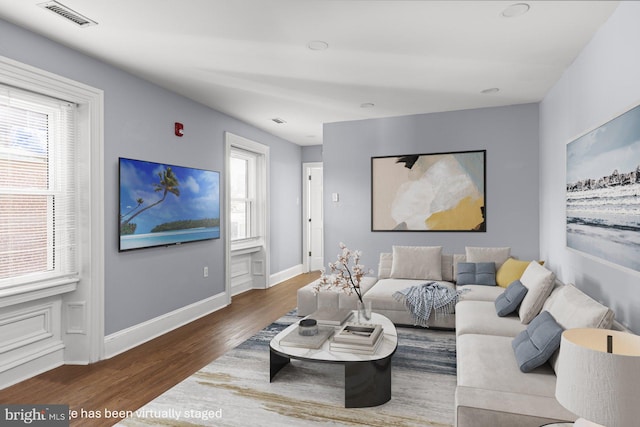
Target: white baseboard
<point>34,364</point>
<point>287,274</point>
<point>126,339</point>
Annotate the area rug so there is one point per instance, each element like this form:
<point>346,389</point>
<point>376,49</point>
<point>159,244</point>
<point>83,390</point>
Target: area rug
<point>234,390</point>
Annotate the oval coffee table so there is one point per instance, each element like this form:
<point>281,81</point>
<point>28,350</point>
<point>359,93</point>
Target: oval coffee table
<point>367,377</point>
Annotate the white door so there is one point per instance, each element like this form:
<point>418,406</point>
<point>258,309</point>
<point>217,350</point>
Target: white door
<point>313,217</point>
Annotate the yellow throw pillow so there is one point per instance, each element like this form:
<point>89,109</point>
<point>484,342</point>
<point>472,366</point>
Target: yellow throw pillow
<point>511,270</point>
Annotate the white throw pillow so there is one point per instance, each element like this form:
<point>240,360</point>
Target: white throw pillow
<point>417,262</point>
<point>539,281</point>
<point>574,309</point>
<point>497,255</point>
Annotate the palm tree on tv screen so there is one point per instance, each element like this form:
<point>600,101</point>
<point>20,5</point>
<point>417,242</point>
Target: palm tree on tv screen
<point>168,184</point>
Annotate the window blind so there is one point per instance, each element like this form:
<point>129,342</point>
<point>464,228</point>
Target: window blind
<point>38,188</point>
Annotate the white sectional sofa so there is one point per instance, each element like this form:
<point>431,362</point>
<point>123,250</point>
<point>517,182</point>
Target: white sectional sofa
<point>492,390</point>
<point>382,301</point>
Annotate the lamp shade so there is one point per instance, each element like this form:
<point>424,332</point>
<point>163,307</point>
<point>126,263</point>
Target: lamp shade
<point>596,385</point>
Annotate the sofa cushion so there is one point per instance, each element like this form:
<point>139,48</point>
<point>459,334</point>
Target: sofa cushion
<point>487,362</point>
<point>479,254</point>
<point>508,301</point>
<point>384,265</point>
<point>539,281</point>
<point>417,262</point>
<point>457,259</point>
<point>447,268</point>
<point>479,293</point>
<point>535,345</point>
<point>479,317</point>
<point>489,379</point>
<point>386,260</point>
<point>572,308</point>
<point>511,270</point>
<point>481,273</point>
<point>381,295</point>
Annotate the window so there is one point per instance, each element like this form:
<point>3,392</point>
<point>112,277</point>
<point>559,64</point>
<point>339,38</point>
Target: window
<point>37,187</point>
<point>247,164</point>
<point>242,185</point>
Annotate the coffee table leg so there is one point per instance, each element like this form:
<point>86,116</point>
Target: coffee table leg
<point>277,362</point>
<point>367,383</point>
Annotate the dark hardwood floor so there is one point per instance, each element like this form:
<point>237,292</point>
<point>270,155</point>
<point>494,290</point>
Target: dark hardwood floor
<point>132,379</point>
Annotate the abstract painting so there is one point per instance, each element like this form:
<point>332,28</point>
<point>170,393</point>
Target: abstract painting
<point>603,191</point>
<point>429,192</point>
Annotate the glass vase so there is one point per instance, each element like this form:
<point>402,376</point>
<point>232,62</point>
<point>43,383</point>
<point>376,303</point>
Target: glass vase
<point>364,312</point>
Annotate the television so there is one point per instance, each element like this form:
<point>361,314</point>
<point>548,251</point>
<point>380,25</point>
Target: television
<point>163,204</point>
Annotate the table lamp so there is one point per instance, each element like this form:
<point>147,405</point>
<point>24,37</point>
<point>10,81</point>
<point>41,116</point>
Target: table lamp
<point>598,376</point>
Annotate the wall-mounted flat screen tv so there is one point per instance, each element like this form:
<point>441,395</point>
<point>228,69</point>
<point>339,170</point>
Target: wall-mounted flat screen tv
<point>162,204</point>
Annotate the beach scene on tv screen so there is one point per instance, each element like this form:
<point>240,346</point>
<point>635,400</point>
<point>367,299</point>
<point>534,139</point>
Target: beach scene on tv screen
<point>166,204</point>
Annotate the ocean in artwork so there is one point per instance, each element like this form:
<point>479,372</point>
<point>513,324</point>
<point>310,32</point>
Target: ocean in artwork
<point>603,191</point>
<point>605,222</point>
<point>134,241</point>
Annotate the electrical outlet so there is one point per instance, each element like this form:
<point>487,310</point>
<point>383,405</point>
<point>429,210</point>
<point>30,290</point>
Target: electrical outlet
<point>205,272</point>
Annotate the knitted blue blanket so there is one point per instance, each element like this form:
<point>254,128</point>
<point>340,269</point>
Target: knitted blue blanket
<point>422,299</point>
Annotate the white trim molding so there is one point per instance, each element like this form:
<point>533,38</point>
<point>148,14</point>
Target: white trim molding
<point>30,334</point>
<point>287,274</point>
<point>258,248</point>
<point>131,337</point>
<point>89,289</point>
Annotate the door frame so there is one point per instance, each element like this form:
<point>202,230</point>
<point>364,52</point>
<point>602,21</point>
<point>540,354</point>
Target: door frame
<point>305,212</point>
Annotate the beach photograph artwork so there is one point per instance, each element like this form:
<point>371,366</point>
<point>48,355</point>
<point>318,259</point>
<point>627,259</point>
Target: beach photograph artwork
<point>162,205</point>
<point>603,191</point>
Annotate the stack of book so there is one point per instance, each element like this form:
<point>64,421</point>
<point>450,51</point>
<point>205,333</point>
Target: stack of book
<point>294,339</point>
<point>357,338</point>
<point>331,316</point>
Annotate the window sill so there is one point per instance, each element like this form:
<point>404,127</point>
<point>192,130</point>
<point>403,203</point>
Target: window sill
<point>37,290</point>
<point>247,246</point>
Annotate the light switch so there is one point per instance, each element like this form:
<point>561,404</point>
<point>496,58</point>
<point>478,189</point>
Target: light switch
<point>334,197</point>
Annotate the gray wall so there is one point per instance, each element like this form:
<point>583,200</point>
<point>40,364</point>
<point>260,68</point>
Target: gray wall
<point>312,153</point>
<point>601,84</point>
<point>139,118</point>
<point>510,136</point>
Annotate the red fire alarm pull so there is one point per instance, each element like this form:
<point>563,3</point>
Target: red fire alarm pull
<point>179,129</point>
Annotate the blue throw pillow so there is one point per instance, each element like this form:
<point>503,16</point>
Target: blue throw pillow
<point>535,345</point>
<point>476,273</point>
<point>508,301</point>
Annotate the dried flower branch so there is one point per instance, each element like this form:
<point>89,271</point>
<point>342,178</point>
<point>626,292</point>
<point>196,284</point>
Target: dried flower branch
<point>343,277</point>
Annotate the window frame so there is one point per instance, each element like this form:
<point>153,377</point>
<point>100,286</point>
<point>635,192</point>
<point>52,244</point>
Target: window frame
<point>251,194</point>
<point>89,290</point>
<point>62,269</point>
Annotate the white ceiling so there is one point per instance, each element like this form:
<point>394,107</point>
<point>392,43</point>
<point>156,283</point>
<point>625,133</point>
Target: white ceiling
<point>250,60</point>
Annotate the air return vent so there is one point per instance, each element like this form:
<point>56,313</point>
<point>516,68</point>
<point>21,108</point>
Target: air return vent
<point>69,14</point>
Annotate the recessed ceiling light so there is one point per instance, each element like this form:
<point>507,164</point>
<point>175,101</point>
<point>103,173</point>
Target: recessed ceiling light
<point>367,105</point>
<point>318,45</point>
<point>515,9</point>
<point>490,90</point>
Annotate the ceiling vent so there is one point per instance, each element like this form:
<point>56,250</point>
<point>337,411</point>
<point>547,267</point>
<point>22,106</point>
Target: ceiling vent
<point>278,120</point>
<point>67,13</point>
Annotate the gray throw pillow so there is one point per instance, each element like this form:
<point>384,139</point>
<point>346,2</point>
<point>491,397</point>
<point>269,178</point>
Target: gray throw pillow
<point>535,345</point>
<point>508,301</point>
<point>476,273</point>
